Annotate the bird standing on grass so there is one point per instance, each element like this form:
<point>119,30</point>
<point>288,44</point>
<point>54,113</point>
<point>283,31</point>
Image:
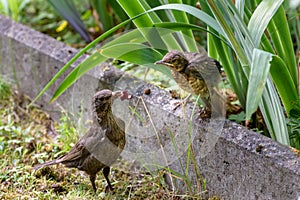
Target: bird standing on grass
<point>101,145</point>
<point>195,73</point>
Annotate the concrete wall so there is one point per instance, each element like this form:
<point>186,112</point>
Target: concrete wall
<point>234,162</point>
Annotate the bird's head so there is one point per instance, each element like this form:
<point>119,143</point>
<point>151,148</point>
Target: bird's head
<point>175,60</point>
<point>103,99</point>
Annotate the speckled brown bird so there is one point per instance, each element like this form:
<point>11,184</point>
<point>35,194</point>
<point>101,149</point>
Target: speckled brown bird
<point>101,145</point>
<point>195,73</point>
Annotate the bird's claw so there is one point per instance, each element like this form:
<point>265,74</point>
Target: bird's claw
<point>108,189</point>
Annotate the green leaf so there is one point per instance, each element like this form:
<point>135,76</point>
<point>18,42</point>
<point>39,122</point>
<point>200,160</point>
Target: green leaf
<point>238,118</point>
<point>68,11</point>
<point>118,11</point>
<point>260,67</point>
<point>136,53</point>
<point>138,7</point>
<point>240,5</point>
<point>239,37</point>
<point>132,52</point>
<point>261,18</point>
<point>177,26</point>
<point>195,12</point>
<point>282,42</point>
<point>233,34</point>
<point>14,9</point>
<point>187,34</point>
<point>80,53</point>
<point>81,69</point>
<point>134,36</point>
<point>135,8</point>
<point>105,17</point>
<point>284,83</point>
<point>273,114</point>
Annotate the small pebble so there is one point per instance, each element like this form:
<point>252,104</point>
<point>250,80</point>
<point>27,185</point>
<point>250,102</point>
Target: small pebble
<point>174,94</point>
<point>147,91</point>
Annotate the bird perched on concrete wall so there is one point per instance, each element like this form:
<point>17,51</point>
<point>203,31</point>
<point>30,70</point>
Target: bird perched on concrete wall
<point>195,73</point>
<point>101,145</point>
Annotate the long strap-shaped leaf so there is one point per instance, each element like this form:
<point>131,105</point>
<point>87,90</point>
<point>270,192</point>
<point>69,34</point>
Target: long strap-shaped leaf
<point>66,84</point>
<point>68,10</point>
<point>259,72</point>
<point>247,58</point>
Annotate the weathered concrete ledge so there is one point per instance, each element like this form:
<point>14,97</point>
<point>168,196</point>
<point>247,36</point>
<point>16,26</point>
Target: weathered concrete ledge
<point>238,164</point>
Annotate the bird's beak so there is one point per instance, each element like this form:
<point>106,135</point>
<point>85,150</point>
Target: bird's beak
<point>116,94</point>
<point>160,62</point>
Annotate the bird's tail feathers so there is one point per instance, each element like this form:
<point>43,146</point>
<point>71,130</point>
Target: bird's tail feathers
<point>52,162</point>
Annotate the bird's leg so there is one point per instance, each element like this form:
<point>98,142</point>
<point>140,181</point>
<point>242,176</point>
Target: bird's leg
<point>106,173</point>
<point>92,179</point>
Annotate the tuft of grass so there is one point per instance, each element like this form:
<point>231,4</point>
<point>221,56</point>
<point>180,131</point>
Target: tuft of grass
<point>4,89</point>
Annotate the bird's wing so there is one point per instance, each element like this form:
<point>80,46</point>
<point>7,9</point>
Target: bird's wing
<point>76,153</point>
<point>69,159</point>
<point>204,67</point>
<point>204,60</point>
<point>93,145</point>
<point>120,122</point>
<point>84,145</point>
<point>101,147</point>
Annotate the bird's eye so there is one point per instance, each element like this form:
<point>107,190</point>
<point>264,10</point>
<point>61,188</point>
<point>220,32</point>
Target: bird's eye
<point>101,98</point>
<point>98,102</point>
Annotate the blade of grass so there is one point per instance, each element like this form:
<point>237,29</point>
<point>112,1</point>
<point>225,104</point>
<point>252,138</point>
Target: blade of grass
<point>132,52</point>
<point>195,12</point>
<point>136,53</point>
<point>14,9</point>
